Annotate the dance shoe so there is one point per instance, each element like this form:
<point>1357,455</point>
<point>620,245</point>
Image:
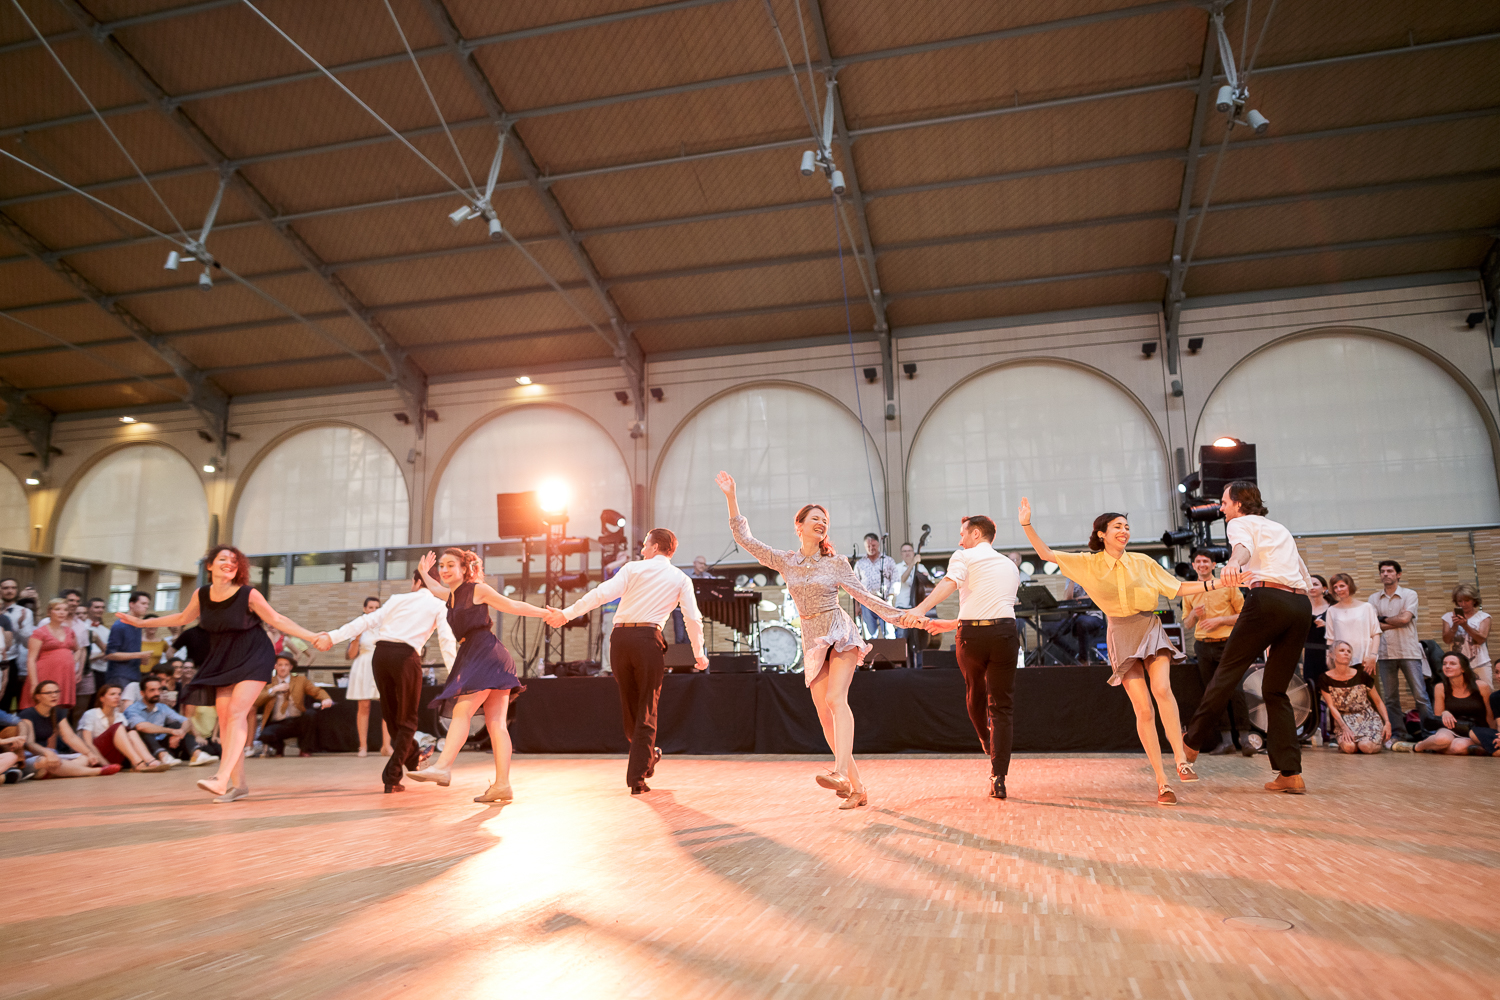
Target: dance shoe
<point>1185,772</point>
<point>639,787</point>
<point>397,787</point>
<point>836,782</point>
<point>207,784</point>
<point>304,753</point>
<point>1165,796</point>
<point>362,752</point>
<point>997,786</point>
<point>1190,754</point>
<point>1289,783</point>
<point>497,793</point>
<point>234,794</point>
<point>856,799</point>
<point>651,767</point>
<point>431,774</point>
<point>109,769</point>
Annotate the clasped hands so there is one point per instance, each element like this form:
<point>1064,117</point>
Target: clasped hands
<point>910,619</point>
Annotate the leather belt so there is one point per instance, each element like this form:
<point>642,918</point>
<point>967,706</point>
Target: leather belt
<point>984,621</point>
<point>636,625</point>
<point>1278,586</point>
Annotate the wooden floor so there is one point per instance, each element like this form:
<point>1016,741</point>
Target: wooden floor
<point>737,877</point>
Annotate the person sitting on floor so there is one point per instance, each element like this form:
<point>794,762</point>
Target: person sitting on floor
<point>167,734</point>
<point>106,727</point>
<point>45,727</point>
<point>1355,708</point>
<point>282,712</point>
<point>1463,708</point>
<point>12,747</point>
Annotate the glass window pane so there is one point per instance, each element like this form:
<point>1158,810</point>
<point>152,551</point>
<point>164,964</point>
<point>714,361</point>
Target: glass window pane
<point>143,505</point>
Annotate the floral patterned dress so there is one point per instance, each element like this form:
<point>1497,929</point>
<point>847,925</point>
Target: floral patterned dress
<point>814,584</point>
<point>1352,699</point>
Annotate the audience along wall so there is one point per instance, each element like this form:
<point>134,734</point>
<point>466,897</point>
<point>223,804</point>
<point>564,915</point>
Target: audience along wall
<point>1373,407</point>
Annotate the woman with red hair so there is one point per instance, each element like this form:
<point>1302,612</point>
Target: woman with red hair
<point>483,677</point>
<point>240,658</point>
<point>831,644</point>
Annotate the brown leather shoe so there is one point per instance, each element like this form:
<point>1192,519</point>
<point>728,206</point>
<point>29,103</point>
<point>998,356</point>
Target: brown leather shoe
<point>1291,784</point>
<point>1165,796</point>
<point>1190,754</point>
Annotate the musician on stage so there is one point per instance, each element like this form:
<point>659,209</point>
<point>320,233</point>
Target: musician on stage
<point>987,645</point>
<point>1276,617</point>
<point>912,584</point>
<point>877,573</point>
<point>1088,626</point>
<point>649,591</point>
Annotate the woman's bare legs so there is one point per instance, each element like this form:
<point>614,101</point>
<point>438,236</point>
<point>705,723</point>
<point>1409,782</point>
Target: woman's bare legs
<point>234,705</point>
<point>830,693</point>
<point>362,723</point>
<point>1438,742</point>
<point>1135,685</point>
<point>464,707</point>
<point>496,707</point>
<point>385,740</point>
<point>1369,746</point>
<point>1160,670</point>
<point>137,755</point>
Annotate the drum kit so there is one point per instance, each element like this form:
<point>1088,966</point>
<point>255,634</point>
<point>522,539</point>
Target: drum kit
<point>777,641</point>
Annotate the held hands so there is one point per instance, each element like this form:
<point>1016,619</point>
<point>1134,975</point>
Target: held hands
<point>726,483</point>
<point>1232,577</point>
<point>554,618</point>
<point>909,619</point>
<point>323,641</point>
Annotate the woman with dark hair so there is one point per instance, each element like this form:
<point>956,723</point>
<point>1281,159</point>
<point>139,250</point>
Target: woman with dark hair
<point>46,729</point>
<point>106,727</point>
<point>483,677</point>
<point>831,643</point>
<point>1355,709</point>
<point>1126,586</point>
<point>1315,650</point>
<point>1461,702</point>
<point>240,658</point>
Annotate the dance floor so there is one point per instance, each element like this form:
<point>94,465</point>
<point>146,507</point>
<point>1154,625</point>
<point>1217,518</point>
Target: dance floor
<point>737,877</point>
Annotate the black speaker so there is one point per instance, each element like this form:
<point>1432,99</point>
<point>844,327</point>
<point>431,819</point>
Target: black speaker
<point>1219,466</point>
<point>520,516</point>
<point>888,653</point>
<point>732,663</point>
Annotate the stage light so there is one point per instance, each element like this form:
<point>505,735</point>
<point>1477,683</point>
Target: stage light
<point>1226,98</point>
<point>910,368</point>
<point>210,467</point>
<point>658,395</point>
<point>497,231</point>
<point>552,496</point>
<point>173,259</point>
<point>838,182</point>
<point>461,215</point>
<point>1172,539</point>
<point>623,397</point>
<point>572,581</point>
<point>1257,121</point>
<point>127,420</point>
<point>1227,442</point>
<point>1474,319</point>
<point>35,479</point>
<point>1148,348</point>
<point>1202,511</point>
<point>206,281</point>
<point>572,546</point>
<point>872,375</point>
<point>809,163</point>
<point>1195,344</point>
<point>523,380</point>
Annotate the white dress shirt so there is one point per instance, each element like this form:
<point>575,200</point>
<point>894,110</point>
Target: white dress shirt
<point>1273,552</point>
<point>409,618</point>
<point>648,590</point>
<point>987,583</point>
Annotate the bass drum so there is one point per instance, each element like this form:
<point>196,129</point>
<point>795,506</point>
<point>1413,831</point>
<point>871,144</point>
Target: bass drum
<point>1299,691</point>
<point>780,647</point>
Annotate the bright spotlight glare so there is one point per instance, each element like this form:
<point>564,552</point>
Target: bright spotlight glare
<point>1181,488</point>
<point>210,468</point>
<point>523,380</point>
<point>127,420</point>
<point>552,496</point>
<point>1226,442</point>
<point>33,481</point>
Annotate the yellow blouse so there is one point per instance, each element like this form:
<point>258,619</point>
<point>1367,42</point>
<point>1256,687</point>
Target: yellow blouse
<point>1122,587</point>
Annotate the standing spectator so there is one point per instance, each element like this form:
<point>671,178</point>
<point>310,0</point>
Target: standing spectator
<point>165,733</point>
<point>282,711</point>
<point>123,650</point>
<point>106,727</point>
<point>1315,658</point>
<point>1400,652</point>
<point>1351,621</point>
<point>98,642</point>
<point>1358,715</point>
<point>1212,615</point>
<point>54,655</point>
<point>83,681</point>
<point>22,622</point>
<point>46,729</point>
<point>1463,711</point>
<point>1467,629</point>
<point>877,574</point>
<point>154,645</point>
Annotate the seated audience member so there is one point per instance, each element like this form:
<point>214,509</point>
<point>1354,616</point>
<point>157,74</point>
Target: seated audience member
<point>282,709</point>
<point>12,747</point>
<point>205,718</point>
<point>1355,709</point>
<point>1463,709</point>
<point>166,734</point>
<point>106,727</point>
<point>45,727</point>
<point>1467,629</point>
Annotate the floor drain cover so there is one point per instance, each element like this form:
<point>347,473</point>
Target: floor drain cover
<point>1258,923</point>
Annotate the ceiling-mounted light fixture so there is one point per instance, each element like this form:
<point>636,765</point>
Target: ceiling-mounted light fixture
<point>127,420</point>
<point>523,380</point>
<point>35,479</point>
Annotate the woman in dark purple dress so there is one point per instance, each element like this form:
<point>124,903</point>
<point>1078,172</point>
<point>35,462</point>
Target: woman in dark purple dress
<point>239,661</point>
<point>483,674</point>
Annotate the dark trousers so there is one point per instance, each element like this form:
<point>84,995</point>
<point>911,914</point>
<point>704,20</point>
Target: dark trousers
<point>635,655</point>
<point>987,659</point>
<point>398,678</point>
<point>157,742</point>
<point>1274,619</point>
<point>1208,653</point>
<point>1089,631</point>
<point>304,727</point>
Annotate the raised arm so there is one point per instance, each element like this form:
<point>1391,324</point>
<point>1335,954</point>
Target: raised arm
<point>763,553</point>
<point>1024,516</point>
<point>424,566</point>
<point>187,614</point>
<point>262,609</point>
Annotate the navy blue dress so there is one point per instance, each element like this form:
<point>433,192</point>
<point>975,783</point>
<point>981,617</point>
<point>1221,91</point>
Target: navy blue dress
<point>482,663</point>
<point>238,647</point>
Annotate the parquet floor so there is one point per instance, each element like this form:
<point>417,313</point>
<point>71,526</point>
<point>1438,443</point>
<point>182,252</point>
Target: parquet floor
<point>737,878</point>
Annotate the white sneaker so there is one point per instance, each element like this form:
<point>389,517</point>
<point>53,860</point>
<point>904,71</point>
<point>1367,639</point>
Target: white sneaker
<point>200,758</point>
<point>169,760</point>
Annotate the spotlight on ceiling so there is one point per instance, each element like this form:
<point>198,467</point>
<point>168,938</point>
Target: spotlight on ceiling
<point>35,479</point>
<point>1227,442</point>
<point>872,375</point>
<point>206,281</point>
<point>657,394</point>
<point>1195,344</point>
<point>127,420</point>
<point>461,215</point>
<point>1257,121</point>
<point>838,182</point>
<point>910,368</point>
<point>173,259</point>
<point>1226,98</point>
<point>809,163</point>
<point>1474,319</point>
<point>523,380</point>
<point>623,397</point>
<point>210,467</point>
<point>497,231</point>
<point>1148,348</point>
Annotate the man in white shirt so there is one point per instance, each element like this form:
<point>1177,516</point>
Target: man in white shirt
<point>404,623</point>
<point>22,624</point>
<point>649,591</point>
<point>1276,617</point>
<point>987,645</point>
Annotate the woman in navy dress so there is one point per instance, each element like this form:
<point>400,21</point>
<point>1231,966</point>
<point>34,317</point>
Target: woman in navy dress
<point>483,674</point>
<point>239,661</point>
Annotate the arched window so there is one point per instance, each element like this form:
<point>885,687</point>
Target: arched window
<point>1354,433</point>
<point>519,450</point>
<point>785,447</point>
<point>15,512</point>
<point>142,505</point>
<point>1071,441</point>
<point>324,489</point>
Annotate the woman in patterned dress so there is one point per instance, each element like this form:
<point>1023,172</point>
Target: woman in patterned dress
<point>831,644</point>
<point>361,688</point>
<point>1355,710</point>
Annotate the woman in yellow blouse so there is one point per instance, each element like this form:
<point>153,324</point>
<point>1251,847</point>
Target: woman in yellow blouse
<point>1125,586</point>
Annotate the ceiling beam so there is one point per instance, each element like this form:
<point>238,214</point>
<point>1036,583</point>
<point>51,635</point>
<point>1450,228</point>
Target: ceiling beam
<point>31,419</point>
<point>409,380</point>
<point>627,350</point>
